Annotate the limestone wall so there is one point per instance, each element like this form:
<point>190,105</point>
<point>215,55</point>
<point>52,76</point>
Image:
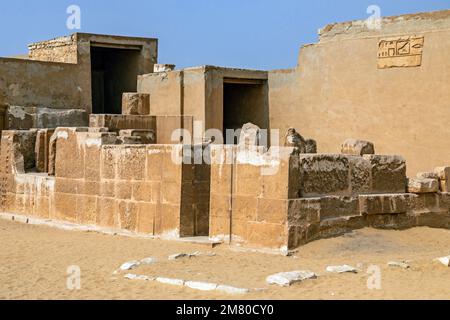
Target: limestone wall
<point>313,196</point>
<point>138,188</point>
<point>339,91</point>
<point>28,83</point>
<point>250,192</point>
<point>63,49</point>
<point>198,92</point>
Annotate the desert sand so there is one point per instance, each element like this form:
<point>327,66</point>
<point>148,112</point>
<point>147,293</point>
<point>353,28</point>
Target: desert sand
<point>34,261</point>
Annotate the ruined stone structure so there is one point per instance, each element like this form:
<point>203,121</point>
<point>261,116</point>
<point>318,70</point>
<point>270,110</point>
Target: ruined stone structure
<point>95,132</point>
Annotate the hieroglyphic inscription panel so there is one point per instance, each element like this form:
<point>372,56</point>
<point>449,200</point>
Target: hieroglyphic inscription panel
<point>400,52</point>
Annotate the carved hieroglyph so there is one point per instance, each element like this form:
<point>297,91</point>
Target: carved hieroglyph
<point>400,52</point>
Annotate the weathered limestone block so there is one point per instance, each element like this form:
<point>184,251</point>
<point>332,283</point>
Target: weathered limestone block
<point>425,202</point>
<point>417,185</point>
<point>280,173</point>
<point>444,200</point>
<point>54,118</point>
<point>443,173</point>
<point>339,226</point>
<point>64,148</point>
<point>272,211</point>
<point>433,219</point>
<point>168,129</point>
<point>267,235</point>
<point>147,136</point>
<point>311,146</point>
<point>42,149</point>
<point>130,162</point>
<point>24,147</point>
<point>135,104</point>
<point>357,147</point>
<point>384,204</point>
<point>37,117</point>
<point>299,235</point>
<point>388,173</point>
<point>360,175</point>
<point>304,211</point>
<point>222,160</point>
<point>324,174</point>
<point>17,151</point>
<point>129,140</point>
<point>444,178</point>
<point>128,215</point>
<point>428,175</point>
<point>335,207</point>
<point>444,185</point>
<point>117,122</point>
<point>159,67</point>
<point>391,221</point>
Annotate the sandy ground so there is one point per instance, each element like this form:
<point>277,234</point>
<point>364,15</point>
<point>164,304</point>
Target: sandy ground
<point>34,262</point>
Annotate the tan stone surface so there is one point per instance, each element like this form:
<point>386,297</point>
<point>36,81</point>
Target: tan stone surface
<point>357,147</point>
<point>135,104</point>
<point>388,173</point>
<point>400,52</point>
<point>384,204</point>
<point>417,185</point>
<point>324,174</point>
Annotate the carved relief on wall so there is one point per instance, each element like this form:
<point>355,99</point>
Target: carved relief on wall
<point>400,52</point>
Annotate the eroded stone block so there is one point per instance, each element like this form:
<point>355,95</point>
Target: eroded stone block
<point>388,173</point>
<point>147,136</point>
<point>360,175</point>
<point>324,174</point>
<point>384,204</point>
<point>335,207</point>
<point>357,147</point>
<point>417,185</point>
<point>303,211</point>
<point>135,104</point>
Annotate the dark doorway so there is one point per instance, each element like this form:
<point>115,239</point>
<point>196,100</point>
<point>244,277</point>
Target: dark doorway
<point>245,100</point>
<point>114,71</point>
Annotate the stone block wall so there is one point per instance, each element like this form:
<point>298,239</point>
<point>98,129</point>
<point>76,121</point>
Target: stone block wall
<point>243,195</point>
<point>250,192</point>
<point>163,126</point>
<point>139,188</point>
<point>312,197</point>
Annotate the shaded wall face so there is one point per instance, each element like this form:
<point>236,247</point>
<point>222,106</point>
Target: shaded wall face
<point>114,71</point>
<point>244,103</point>
<point>340,93</point>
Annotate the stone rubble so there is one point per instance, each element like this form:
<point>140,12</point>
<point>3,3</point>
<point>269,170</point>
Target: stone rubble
<point>131,276</point>
<point>178,256</point>
<point>202,286</point>
<point>129,265</point>
<point>286,279</point>
<point>173,282</point>
<point>397,264</point>
<point>445,261</point>
<point>196,285</point>
<point>342,269</point>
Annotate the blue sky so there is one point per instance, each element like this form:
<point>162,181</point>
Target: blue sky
<point>257,34</point>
